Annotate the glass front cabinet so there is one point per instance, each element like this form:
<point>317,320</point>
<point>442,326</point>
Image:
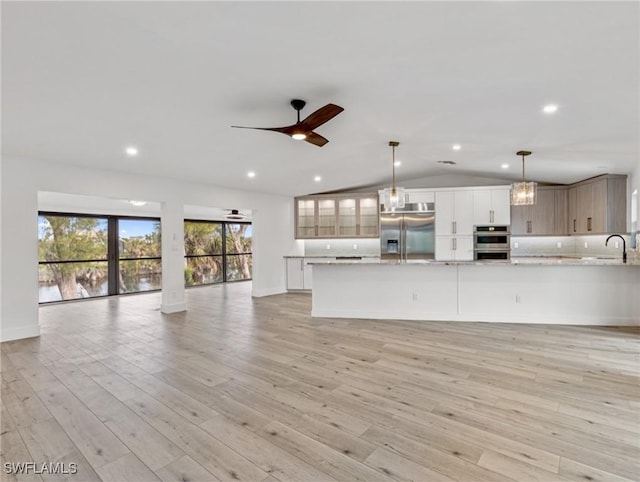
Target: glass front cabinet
<point>337,216</point>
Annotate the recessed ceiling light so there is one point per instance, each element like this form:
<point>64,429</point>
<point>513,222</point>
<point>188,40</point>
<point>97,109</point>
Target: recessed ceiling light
<point>131,151</point>
<point>137,203</point>
<point>397,163</point>
<point>550,109</point>
<point>317,178</point>
<point>456,147</point>
<point>251,174</point>
<point>504,166</point>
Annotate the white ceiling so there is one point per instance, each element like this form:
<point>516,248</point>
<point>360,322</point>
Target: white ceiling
<point>82,80</point>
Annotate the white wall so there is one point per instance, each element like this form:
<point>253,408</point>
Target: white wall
<point>440,180</point>
<point>22,180</point>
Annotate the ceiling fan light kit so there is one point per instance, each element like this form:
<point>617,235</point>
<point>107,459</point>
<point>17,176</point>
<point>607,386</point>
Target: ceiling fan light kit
<point>235,215</point>
<point>523,193</point>
<point>303,130</point>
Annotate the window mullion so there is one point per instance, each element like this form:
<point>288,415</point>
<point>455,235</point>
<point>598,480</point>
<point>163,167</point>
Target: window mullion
<point>113,255</point>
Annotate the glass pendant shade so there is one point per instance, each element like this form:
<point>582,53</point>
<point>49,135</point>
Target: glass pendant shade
<point>394,196</point>
<point>523,193</point>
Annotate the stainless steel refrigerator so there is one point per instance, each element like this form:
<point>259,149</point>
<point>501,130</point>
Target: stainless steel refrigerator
<point>408,234</point>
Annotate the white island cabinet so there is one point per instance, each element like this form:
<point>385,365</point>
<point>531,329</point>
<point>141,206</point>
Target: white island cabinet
<point>573,292</point>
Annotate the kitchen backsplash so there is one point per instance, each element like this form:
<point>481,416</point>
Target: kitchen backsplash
<point>342,247</point>
<point>580,246</point>
<point>526,246</point>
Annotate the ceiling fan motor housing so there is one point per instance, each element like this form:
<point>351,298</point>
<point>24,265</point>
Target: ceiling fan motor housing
<point>298,104</point>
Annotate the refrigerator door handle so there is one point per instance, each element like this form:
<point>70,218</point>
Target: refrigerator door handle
<point>403,241</point>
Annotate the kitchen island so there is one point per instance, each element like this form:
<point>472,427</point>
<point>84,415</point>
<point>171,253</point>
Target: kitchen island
<point>526,290</point>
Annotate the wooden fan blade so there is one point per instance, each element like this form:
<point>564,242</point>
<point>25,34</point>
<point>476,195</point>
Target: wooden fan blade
<point>288,130</point>
<point>322,115</point>
<point>316,139</point>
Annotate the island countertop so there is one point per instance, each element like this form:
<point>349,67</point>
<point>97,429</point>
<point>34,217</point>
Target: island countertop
<point>588,291</point>
<point>533,260</point>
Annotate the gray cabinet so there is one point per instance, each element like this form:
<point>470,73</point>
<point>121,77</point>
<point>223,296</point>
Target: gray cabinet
<point>343,216</point>
<point>547,217</point>
<point>594,206</point>
<point>358,216</point>
<point>598,205</point>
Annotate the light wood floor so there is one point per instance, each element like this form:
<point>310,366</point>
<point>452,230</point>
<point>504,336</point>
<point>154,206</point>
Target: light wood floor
<point>255,389</point>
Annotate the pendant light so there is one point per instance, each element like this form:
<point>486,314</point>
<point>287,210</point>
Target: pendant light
<point>394,196</point>
<point>523,193</point>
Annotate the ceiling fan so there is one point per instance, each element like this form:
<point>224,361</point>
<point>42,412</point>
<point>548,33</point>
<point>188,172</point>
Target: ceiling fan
<point>303,130</point>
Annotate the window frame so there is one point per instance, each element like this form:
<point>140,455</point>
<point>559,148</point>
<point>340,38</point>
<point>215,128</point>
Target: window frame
<point>113,253</point>
<point>223,254</point>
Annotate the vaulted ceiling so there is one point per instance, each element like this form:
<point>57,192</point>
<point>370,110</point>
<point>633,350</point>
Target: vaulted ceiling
<point>83,80</point>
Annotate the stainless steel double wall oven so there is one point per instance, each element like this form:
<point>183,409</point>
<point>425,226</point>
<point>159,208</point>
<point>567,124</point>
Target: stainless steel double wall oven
<point>491,243</point>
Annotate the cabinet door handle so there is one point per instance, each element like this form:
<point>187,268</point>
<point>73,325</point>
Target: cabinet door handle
<point>357,230</point>
<point>528,226</point>
<point>589,224</point>
<point>574,225</point>
<point>452,246</point>
<point>453,227</point>
<point>316,230</point>
<point>301,264</point>
<point>491,217</point>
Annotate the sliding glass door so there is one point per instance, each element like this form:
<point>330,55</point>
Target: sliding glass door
<point>85,256</point>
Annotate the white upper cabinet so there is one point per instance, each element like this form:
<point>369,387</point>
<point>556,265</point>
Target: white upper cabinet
<point>454,225</point>
<point>419,196</point>
<point>454,213</point>
<point>492,206</point>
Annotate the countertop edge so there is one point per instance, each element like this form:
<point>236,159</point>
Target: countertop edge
<point>568,262</point>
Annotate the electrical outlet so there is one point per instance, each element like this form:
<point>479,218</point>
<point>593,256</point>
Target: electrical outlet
<point>586,245</point>
<point>617,244</point>
<point>414,296</point>
<point>518,299</point>
<point>328,246</point>
<point>355,246</point>
<point>516,245</point>
<point>559,244</point>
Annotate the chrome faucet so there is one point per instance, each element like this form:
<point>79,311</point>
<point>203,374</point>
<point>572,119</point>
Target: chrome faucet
<point>624,246</point>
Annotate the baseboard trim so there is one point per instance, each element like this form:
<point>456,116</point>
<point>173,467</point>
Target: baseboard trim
<point>19,333</point>
<point>267,292</point>
<point>173,308</point>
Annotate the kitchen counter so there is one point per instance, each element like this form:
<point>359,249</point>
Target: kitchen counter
<point>589,291</point>
<point>331,257</point>
<point>534,260</point>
